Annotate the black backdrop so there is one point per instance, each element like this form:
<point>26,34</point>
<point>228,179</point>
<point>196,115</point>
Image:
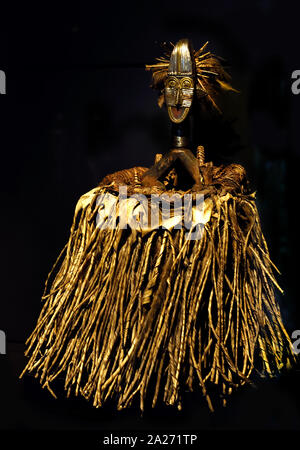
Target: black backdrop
<point>79,106</point>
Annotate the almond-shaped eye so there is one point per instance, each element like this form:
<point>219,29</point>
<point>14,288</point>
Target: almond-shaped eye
<point>187,84</point>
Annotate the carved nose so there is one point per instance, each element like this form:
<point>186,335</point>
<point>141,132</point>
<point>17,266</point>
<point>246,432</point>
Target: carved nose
<point>178,98</point>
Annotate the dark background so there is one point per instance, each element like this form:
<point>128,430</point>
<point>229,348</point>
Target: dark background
<point>79,106</point>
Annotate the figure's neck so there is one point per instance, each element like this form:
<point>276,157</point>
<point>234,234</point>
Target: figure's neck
<point>181,134</point>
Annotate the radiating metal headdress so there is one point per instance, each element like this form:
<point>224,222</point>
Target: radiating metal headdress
<point>203,72</point>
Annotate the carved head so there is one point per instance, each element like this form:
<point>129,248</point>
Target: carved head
<point>184,75</point>
<point>179,83</point>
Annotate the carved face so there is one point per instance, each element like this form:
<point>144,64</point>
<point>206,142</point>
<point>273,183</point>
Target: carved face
<point>179,92</point>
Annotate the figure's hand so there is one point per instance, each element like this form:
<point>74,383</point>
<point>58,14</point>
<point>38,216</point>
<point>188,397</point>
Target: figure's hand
<point>204,190</point>
<point>147,190</point>
<point>197,188</point>
<point>152,182</point>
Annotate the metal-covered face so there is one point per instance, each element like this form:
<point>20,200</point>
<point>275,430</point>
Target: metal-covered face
<point>179,92</point>
<point>179,83</point>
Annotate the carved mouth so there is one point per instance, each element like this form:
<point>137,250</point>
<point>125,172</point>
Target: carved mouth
<point>177,115</point>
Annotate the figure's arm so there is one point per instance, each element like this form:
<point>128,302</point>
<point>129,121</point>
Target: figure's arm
<point>190,162</point>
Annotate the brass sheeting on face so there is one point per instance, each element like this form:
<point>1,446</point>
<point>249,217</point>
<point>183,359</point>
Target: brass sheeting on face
<point>150,315</point>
